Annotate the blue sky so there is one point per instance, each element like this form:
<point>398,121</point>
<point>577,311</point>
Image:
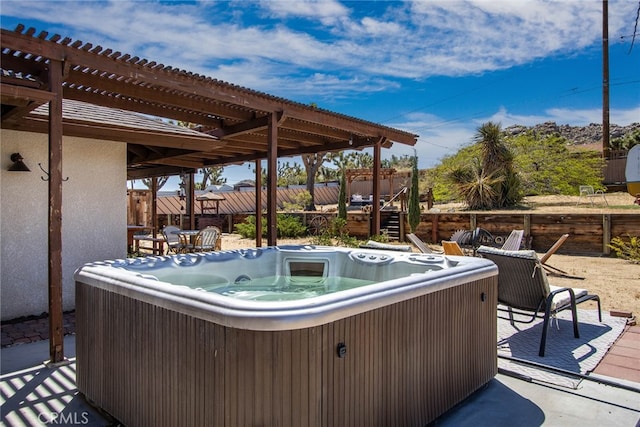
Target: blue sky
<point>436,68</point>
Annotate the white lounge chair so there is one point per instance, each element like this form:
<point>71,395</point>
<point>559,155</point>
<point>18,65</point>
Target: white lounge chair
<point>514,241</point>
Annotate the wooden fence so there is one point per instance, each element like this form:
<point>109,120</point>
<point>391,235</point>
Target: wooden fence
<point>614,170</point>
<point>589,233</point>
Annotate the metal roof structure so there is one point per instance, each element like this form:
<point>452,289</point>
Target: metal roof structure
<point>244,201</point>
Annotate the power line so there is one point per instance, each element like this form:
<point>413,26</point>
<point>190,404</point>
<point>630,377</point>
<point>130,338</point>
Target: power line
<point>635,28</point>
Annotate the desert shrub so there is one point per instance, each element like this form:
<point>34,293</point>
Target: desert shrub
<point>322,239</point>
<point>301,200</point>
<point>380,238</point>
<point>337,226</point>
<point>544,163</point>
<point>347,241</point>
<point>628,249</point>
<point>335,234</point>
<point>290,226</point>
<point>247,229</point>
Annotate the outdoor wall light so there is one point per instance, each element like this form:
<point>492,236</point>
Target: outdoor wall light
<point>18,164</point>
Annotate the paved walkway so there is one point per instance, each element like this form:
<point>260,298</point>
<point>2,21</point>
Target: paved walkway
<point>33,328</point>
<point>623,358</point>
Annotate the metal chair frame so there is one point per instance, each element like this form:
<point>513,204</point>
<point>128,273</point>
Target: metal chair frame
<point>524,290</point>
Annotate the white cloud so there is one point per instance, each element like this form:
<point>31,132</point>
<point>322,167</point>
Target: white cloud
<point>344,50</point>
<point>438,137</point>
<point>411,40</point>
<point>625,117</point>
<point>574,117</point>
<point>325,11</point>
<point>507,119</point>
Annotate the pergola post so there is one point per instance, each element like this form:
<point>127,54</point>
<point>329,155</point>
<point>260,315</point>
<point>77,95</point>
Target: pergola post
<point>154,206</point>
<point>56,332</point>
<point>272,178</point>
<point>258,203</point>
<point>375,208</point>
<point>191,201</point>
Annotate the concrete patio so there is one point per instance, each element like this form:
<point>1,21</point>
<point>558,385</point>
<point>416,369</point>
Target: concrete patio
<point>33,394</point>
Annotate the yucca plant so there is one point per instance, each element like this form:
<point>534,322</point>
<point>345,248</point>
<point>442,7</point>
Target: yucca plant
<point>491,182</point>
<point>479,189</point>
<point>480,192</point>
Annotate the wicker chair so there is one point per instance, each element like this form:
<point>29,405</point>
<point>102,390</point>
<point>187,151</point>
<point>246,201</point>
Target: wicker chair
<point>172,240</point>
<point>523,289</point>
<point>208,239</point>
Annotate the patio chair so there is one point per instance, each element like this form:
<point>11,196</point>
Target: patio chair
<point>422,246</point>
<point>514,241</point>
<point>551,269</point>
<point>588,192</point>
<point>471,239</point>
<point>174,244</point>
<point>208,239</point>
<point>372,244</point>
<point>452,248</point>
<point>523,289</point>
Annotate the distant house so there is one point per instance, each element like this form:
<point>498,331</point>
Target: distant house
<point>243,185</point>
<point>219,188</point>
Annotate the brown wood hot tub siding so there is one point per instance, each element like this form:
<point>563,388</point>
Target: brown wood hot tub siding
<point>405,364</point>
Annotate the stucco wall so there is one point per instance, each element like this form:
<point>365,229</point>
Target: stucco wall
<point>94,216</point>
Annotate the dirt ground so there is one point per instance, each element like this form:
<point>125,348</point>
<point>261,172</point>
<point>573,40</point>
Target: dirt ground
<point>616,281</point>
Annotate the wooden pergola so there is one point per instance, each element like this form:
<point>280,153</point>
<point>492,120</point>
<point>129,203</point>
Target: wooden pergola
<point>368,173</point>
<point>235,124</point>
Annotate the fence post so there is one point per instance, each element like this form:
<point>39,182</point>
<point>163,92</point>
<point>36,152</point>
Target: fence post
<point>606,233</point>
<point>434,229</point>
<point>527,231</point>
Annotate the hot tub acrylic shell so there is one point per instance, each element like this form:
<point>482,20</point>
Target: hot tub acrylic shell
<point>398,352</point>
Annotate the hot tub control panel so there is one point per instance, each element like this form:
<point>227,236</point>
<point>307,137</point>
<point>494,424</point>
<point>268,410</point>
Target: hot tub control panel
<point>371,258</point>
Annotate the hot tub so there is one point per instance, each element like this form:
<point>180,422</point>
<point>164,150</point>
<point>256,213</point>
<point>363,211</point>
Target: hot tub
<point>289,335</point>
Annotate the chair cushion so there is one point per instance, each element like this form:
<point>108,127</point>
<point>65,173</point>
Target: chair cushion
<point>564,298</point>
<point>522,254</point>
<point>525,254</point>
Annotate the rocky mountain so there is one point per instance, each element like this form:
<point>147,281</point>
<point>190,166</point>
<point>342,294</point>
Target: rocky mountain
<point>576,135</point>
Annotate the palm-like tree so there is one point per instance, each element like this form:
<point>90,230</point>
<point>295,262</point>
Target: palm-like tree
<point>493,182</point>
<point>495,155</point>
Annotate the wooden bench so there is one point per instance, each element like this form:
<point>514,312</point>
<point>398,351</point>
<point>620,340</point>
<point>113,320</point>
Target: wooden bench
<point>157,244</point>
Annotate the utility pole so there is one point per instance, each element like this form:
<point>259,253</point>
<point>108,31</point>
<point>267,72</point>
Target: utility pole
<point>605,78</point>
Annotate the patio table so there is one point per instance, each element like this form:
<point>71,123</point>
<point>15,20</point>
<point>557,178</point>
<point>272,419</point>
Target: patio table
<point>187,238</point>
